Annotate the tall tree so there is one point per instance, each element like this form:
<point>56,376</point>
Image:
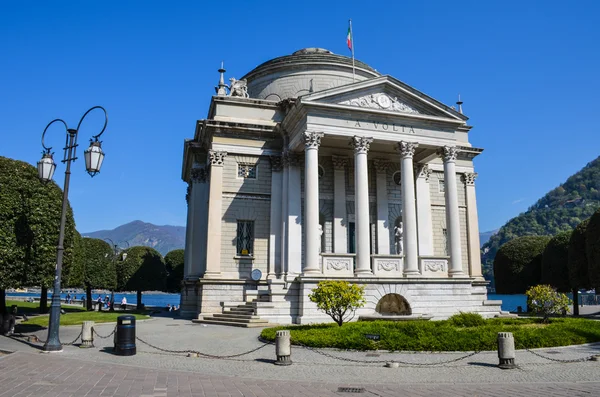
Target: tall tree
<point>143,269</point>
<point>97,267</point>
<point>578,263</point>
<point>174,264</point>
<point>555,262</point>
<point>592,250</point>
<point>518,264</point>
<point>29,226</point>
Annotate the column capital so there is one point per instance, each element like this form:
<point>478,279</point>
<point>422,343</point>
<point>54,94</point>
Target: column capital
<point>407,149</point>
<point>312,139</point>
<point>339,163</point>
<point>198,175</point>
<point>276,163</point>
<point>381,165</point>
<point>217,158</point>
<point>448,153</point>
<point>361,144</point>
<point>291,160</point>
<point>422,171</point>
<point>469,178</point>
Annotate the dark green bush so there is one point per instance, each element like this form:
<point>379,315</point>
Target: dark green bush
<point>467,320</point>
<point>443,335</point>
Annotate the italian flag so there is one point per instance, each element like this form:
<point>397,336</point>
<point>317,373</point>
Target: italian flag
<point>349,38</point>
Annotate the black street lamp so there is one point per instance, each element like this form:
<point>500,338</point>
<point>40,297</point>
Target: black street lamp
<point>46,166</point>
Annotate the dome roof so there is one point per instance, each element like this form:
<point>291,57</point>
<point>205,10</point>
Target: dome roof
<point>305,71</point>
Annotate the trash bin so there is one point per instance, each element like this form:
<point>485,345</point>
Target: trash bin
<point>125,336</point>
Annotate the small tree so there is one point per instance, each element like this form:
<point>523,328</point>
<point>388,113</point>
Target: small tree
<point>142,270</point>
<point>338,299</point>
<point>174,264</point>
<point>544,300</point>
<point>97,267</point>
<point>555,267</point>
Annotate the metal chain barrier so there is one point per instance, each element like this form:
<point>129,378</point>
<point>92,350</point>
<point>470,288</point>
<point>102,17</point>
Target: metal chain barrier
<point>200,353</point>
<point>104,337</point>
<point>558,360</point>
<point>75,340</point>
<point>384,361</point>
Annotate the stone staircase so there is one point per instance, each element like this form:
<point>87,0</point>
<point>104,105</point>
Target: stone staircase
<point>238,315</point>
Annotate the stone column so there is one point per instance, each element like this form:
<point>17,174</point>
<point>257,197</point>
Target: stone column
<point>187,258</point>
<point>199,209</point>
<point>409,211</point>
<point>284,214</point>
<point>472,226</point>
<point>274,265</point>
<point>340,217</point>
<point>361,204</point>
<point>215,216</point>
<point>383,212</point>
<point>449,154</point>
<point>294,216</point>
<point>424,222</point>
<point>312,141</point>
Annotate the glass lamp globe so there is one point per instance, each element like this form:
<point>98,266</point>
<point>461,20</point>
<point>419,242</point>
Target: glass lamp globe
<point>46,167</point>
<point>94,156</point>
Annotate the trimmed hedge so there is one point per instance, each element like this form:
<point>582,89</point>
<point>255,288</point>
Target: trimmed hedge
<point>442,335</point>
<point>555,262</point>
<point>592,249</point>
<point>518,264</point>
<point>578,263</point>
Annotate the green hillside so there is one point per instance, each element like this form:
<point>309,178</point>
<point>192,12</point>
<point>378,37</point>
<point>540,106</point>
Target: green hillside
<point>561,209</point>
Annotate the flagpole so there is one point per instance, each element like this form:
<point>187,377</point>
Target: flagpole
<point>352,41</point>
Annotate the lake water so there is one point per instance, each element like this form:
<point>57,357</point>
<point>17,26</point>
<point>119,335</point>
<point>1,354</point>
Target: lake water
<point>158,300</point>
<point>510,302</point>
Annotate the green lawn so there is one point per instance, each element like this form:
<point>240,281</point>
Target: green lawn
<point>79,317</point>
<point>443,335</point>
<point>74,314</point>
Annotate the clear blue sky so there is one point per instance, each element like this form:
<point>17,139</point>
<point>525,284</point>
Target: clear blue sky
<point>528,72</point>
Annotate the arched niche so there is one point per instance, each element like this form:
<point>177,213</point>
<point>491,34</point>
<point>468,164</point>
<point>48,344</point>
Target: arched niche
<point>393,304</point>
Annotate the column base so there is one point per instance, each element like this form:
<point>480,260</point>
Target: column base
<point>411,273</point>
<point>457,274</point>
<point>312,272</point>
<point>212,275</point>
<point>359,273</point>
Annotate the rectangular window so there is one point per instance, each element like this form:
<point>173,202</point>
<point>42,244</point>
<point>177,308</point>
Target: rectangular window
<point>247,171</point>
<point>245,238</point>
<point>441,186</point>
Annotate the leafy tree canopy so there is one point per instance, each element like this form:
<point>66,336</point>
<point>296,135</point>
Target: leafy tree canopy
<point>174,261</point>
<point>559,210</point>
<point>578,263</point>
<point>592,250</point>
<point>517,265</point>
<point>30,214</point>
<point>338,299</point>
<point>555,262</point>
<point>98,265</point>
<point>143,269</point>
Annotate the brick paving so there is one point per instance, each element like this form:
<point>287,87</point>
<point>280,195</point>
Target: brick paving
<point>97,372</point>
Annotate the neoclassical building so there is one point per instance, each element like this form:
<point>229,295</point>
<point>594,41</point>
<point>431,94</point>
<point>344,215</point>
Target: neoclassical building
<point>308,169</point>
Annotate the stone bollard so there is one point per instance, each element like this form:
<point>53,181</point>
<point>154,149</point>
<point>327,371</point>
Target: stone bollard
<point>283,348</point>
<point>506,350</point>
<point>87,334</point>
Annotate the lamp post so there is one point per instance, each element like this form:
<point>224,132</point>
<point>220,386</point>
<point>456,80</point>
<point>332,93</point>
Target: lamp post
<point>46,166</point>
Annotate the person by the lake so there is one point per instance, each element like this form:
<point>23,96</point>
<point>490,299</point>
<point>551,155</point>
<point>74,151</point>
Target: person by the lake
<point>99,302</point>
<point>169,308</point>
<point>124,303</point>
<point>68,298</point>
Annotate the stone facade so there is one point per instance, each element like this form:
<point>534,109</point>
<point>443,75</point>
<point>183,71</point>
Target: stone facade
<point>314,176</point>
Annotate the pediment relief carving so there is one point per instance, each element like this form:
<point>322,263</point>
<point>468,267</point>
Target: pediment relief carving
<point>380,101</point>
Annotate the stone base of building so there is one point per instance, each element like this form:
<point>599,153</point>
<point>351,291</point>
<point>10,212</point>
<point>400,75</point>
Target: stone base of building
<point>283,301</point>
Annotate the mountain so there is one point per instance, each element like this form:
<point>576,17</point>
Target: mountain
<point>485,236</point>
<point>161,238</point>
<point>561,209</point>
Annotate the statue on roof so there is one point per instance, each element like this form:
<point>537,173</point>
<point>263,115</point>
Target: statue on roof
<point>238,88</point>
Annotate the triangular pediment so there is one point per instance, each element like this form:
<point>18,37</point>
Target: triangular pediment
<point>384,94</point>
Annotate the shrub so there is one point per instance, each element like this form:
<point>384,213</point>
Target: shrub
<point>518,263</point>
<point>338,299</point>
<point>544,299</point>
<point>467,320</point>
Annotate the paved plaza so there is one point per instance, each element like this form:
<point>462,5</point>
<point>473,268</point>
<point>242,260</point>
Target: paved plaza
<point>97,372</point>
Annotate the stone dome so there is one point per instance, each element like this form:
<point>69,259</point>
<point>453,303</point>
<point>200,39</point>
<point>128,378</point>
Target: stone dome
<point>305,71</point>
